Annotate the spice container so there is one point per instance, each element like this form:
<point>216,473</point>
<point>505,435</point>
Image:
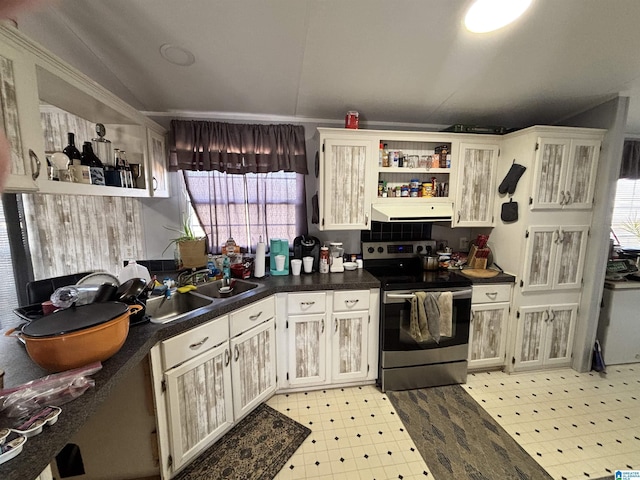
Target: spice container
<point>324,260</point>
<point>352,119</point>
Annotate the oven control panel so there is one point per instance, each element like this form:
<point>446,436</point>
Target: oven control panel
<point>384,250</point>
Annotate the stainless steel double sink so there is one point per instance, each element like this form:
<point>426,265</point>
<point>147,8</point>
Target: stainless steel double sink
<point>161,309</point>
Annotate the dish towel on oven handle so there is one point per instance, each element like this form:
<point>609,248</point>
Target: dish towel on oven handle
<point>445,302</point>
<point>418,328</point>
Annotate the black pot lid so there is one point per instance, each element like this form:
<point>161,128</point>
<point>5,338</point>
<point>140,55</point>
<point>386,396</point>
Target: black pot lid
<point>74,318</point>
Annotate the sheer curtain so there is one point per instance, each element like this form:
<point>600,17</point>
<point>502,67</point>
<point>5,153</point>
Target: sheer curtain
<point>244,181</point>
<point>626,210</point>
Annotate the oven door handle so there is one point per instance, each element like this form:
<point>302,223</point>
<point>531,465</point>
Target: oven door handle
<point>409,296</point>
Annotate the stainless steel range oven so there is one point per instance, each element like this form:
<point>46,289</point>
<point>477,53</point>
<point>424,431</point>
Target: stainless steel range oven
<point>407,363</point>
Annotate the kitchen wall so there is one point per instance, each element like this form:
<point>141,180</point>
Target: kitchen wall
<point>611,115</point>
<point>73,233</point>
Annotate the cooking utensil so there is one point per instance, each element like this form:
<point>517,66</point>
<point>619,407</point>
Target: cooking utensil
<point>130,290</point>
<point>98,278</point>
<point>78,336</point>
<point>106,293</point>
<point>429,262</point>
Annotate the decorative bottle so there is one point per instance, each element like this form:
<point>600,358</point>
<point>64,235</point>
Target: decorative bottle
<point>71,151</point>
<point>93,162</point>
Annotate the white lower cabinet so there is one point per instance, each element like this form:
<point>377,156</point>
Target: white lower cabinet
<point>544,336</point>
<point>307,350</point>
<point>199,403</point>
<point>489,325</point>
<point>326,338</point>
<point>253,368</point>
<point>209,377</point>
<point>488,335</point>
<point>349,346</point>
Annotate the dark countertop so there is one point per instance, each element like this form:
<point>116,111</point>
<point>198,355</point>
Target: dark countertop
<point>40,450</point>
<point>500,278</point>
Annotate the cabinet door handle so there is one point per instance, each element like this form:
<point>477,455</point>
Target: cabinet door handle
<point>351,303</point>
<point>237,352</point>
<point>154,182</point>
<point>255,317</point>
<point>34,159</point>
<point>227,357</point>
<point>492,295</point>
<point>322,326</point>
<point>560,236</point>
<point>459,214</point>
<point>546,319</point>
<point>197,345</point>
<point>306,304</point>
<point>473,315</point>
<point>552,316</point>
<point>555,236</point>
<point>563,200</point>
<point>569,200</point>
<point>336,324</point>
<point>366,219</point>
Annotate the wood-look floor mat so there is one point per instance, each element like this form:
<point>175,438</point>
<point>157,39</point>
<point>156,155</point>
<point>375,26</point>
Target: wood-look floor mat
<point>458,439</point>
<point>255,449</point>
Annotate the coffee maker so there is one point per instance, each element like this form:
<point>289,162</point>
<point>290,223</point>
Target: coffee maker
<point>306,246</point>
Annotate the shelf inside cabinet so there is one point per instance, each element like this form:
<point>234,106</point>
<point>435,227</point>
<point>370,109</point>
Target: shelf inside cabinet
<point>412,171</point>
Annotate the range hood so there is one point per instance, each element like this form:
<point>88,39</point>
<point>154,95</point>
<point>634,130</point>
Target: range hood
<point>411,212</point>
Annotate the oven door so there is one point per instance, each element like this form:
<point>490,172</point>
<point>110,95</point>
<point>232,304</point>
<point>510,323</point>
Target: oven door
<point>400,348</point>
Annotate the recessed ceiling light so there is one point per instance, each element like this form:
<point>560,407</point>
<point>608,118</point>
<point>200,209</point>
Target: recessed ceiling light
<point>177,55</point>
<point>489,15</point>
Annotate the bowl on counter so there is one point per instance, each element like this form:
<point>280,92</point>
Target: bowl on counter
<point>350,265</point>
<point>78,336</point>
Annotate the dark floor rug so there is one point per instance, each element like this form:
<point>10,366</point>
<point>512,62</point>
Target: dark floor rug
<point>255,449</point>
<point>458,439</point>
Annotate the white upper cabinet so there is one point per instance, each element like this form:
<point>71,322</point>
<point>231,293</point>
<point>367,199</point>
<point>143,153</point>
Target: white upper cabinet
<point>35,83</point>
<point>476,189</point>
<point>555,257</point>
<point>346,172</point>
<point>157,174</point>
<point>565,172</point>
<point>18,104</point>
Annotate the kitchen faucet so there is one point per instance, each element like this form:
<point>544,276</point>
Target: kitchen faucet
<point>193,277</point>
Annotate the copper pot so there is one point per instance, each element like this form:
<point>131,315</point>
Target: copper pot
<point>78,336</point>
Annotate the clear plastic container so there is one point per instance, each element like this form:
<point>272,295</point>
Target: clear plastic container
<point>134,270</point>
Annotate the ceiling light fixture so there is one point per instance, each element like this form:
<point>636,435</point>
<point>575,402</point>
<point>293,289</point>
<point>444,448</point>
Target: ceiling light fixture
<point>177,55</point>
<point>489,15</point>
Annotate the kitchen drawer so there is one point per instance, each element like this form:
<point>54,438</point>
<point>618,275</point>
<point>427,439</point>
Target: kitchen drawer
<point>193,342</point>
<point>248,317</point>
<point>347,300</point>
<point>307,302</point>
<point>493,293</point>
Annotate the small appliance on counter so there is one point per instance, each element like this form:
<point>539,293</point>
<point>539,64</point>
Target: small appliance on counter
<point>337,257</point>
<point>306,246</point>
<point>279,247</point>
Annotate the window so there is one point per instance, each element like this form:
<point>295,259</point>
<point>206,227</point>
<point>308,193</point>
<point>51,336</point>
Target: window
<point>8,294</point>
<point>626,210</point>
<point>247,206</point>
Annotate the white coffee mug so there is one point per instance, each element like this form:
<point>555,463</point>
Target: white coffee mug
<point>308,264</point>
<point>296,265</point>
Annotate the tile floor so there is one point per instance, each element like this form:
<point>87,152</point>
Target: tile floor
<point>577,426</point>
<point>355,434</point>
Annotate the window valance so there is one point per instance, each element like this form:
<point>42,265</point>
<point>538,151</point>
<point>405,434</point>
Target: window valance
<point>630,167</point>
<point>236,148</point>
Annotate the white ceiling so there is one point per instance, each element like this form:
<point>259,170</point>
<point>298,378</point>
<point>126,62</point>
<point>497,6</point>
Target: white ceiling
<point>394,61</point>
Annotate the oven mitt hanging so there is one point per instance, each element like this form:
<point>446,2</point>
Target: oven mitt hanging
<point>509,212</point>
<point>510,181</point>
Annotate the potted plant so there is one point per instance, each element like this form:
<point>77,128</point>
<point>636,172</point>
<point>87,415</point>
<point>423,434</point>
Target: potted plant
<point>192,250</point>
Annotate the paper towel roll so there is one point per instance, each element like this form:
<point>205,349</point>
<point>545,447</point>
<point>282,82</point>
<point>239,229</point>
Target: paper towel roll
<point>258,269</point>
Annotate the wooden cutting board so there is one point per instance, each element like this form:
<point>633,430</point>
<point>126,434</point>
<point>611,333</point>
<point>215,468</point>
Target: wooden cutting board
<point>479,272</point>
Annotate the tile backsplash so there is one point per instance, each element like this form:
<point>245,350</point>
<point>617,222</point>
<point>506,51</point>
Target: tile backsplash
<point>383,231</point>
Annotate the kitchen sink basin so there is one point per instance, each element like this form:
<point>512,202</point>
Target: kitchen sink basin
<point>161,309</point>
<point>216,289</point>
